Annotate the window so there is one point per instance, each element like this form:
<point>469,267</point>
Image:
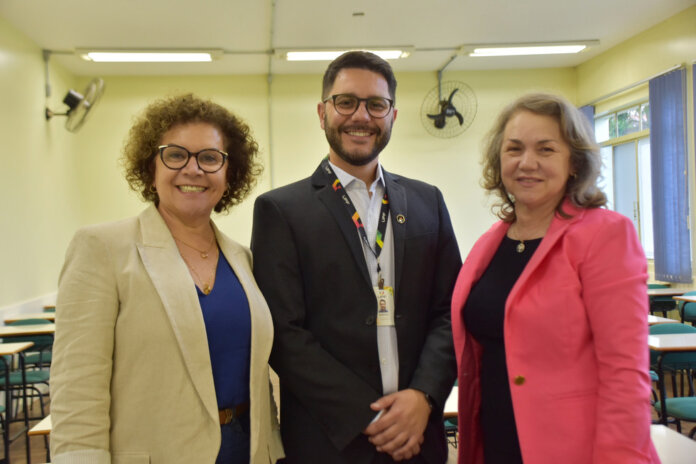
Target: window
<point>624,138</point>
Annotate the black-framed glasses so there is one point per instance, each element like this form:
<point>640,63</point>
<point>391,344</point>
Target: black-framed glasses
<point>176,157</point>
<point>347,104</point>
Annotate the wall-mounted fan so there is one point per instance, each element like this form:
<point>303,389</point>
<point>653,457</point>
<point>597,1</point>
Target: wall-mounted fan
<point>448,109</point>
<point>79,104</point>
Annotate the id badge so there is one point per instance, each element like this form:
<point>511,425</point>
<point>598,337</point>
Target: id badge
<point>385,306</point>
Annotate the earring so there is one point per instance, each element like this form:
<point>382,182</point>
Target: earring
<point>153,189</point>
<point>226,194</point>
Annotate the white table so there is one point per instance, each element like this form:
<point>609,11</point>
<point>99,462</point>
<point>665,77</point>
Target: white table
<point>672,447</point>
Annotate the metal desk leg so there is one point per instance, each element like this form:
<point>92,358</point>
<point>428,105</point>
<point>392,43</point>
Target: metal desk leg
<point>26,411</point>
<point>8,409</point>
<point>663,393</point>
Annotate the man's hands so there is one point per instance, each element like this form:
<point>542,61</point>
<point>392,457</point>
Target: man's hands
<point>399,429</point>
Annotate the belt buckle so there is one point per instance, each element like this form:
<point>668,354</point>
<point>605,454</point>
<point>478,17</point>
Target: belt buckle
<point>229,415</point>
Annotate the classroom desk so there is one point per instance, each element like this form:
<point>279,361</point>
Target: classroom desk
<point>665,344</point>
<point>47,316</point>
<point>42,428</point>
<point>451,403</point>
<point>11,349</point>
<point>652,320</point>
<point>666,291</point>
<point>24,330</point>
<point>671,446</point>
<point>687,298</point>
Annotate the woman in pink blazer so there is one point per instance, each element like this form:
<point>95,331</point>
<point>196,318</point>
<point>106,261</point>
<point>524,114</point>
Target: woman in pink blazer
<point>549,310</point>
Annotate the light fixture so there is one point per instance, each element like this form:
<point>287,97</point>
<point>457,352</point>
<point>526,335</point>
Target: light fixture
<point>526,49</point>
<point>331,54</point>
<point>148,56</point>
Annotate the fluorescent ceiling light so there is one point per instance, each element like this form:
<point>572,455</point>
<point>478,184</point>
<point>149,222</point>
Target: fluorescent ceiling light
<point>512,51</point>
<point>328,55</point>
<point>148,56</point>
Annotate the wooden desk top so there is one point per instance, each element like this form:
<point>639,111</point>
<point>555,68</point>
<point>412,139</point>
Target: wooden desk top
<point>22,330</point>
<point>671,446</point>
<point>672,342</point>
<point>666,291</point>
<point>451,405</point>
<point>687,298</point>
<point>14,348</point>
<point>652,320</point>
<point>44,427</point>
<point>48,316</point>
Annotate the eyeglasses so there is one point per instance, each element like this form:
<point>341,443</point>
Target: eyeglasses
<point>175,157</point>
<point>347,104</point>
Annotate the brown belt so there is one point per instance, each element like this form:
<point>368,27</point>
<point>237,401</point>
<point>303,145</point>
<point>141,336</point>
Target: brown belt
<point>230,414</point>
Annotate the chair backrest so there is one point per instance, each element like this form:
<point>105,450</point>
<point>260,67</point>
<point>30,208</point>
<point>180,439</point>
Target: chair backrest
<point>675,328</point>
<point>36,321</point>
<point>687,310</point>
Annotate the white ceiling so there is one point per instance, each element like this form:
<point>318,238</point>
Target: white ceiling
<point>249,30</point>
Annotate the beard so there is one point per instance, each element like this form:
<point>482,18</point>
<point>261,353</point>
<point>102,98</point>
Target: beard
<point>356,157</point>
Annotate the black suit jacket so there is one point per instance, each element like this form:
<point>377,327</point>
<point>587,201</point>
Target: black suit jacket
<point>309,264</point>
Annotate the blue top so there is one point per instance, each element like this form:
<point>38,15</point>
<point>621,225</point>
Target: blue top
<point>228,326</point>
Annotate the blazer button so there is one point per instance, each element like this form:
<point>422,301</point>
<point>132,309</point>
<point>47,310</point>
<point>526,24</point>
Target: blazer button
<point>519,380</point>
<point>369,320</point>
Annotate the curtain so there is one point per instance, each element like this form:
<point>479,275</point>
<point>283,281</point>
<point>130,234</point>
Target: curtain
<point>588,112</point>
<point>669,177</point>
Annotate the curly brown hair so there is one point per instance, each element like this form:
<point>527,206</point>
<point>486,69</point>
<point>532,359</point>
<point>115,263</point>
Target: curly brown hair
<point>585,161</point>
<point>140,147</point>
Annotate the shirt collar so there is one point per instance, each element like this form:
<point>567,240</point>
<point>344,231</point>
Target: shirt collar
<point>346,178</point>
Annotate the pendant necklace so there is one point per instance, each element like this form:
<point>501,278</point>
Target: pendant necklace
<point>204,253</point>
<point>520,246</point>
<point>207,286</point>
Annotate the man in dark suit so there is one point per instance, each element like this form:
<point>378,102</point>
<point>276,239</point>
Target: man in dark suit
<point>360,381</point>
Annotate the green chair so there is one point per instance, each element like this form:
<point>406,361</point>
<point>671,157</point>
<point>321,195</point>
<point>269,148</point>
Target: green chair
<point>687,310</point>
<point>679,408</point>
<point>49,309</point>
<point>676,362</point>
<point>40,354</point>
<point>662,304</point>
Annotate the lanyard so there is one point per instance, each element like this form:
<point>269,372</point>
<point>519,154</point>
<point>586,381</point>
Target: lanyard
<point>383,216</point>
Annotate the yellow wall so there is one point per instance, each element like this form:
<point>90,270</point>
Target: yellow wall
<point>38,183</point>
<point>55,181</point>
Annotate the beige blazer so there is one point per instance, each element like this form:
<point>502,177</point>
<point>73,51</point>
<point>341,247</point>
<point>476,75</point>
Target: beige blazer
<point>131,379</point>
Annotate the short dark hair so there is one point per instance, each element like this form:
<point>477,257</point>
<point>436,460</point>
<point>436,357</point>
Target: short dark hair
<point>140,148</point>
<point>358,60</point>
<point>585,161</point>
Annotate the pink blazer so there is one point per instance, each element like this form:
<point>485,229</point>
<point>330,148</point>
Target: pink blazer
<point>576,344</point>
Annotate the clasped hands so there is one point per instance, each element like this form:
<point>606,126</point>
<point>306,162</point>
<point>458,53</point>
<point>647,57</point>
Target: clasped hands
<point>399,430</point>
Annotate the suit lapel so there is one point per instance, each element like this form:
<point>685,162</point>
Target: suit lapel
<point>173,283</point>
<point>334,204</point>
<point>397,208</point>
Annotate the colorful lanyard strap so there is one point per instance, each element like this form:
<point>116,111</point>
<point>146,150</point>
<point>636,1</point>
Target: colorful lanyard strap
<point>383,217</point>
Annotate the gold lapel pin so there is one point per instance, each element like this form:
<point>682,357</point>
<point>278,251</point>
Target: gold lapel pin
<point>400,218</point>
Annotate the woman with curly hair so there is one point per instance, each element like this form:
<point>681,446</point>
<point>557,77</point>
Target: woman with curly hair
<point>162,336</point>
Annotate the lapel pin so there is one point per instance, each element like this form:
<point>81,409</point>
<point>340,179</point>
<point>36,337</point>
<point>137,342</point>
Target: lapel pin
<point>400,218</point>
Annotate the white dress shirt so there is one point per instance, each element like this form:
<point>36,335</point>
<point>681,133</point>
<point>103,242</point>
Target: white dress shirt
<point>368,204</point>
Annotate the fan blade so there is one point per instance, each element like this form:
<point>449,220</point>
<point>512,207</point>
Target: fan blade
<point>459,116</point>
<point>449,100</point>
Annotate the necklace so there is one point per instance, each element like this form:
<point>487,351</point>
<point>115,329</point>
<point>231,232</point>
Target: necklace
<point>520,247</point>
<point>203,253</point>
<point>207,286</point>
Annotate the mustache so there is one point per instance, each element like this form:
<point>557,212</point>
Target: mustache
<point>360,127</point>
